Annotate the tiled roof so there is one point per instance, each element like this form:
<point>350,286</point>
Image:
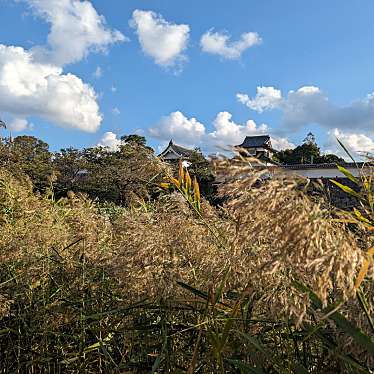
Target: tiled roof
<point>256,141</point>
<point>181,151</point>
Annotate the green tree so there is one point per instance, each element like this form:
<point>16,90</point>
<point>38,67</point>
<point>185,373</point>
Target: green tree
<point>132,172</point>
<point>306,153</point>
<point>28,155</point>
<point>134,139</point>
<point>71,168</point>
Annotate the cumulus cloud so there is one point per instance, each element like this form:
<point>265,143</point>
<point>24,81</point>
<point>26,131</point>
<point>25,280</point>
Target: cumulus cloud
<point>310,105</point>
<point>190,132</point>
<point>357,143</point>
<point>266,98</point>
<point>177,126</point>
<point>32,82</point>
<point>19,124</point>
<point>29,88</point>
<point>219,43</point>
<point>228,133</point>
<point>353,124</point>
<point>162,40</point>
<point>76,30</point>
<point>281,143</point>
<point>110,141</point>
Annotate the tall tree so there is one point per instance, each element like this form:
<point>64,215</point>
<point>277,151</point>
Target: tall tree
<point>29,155</point>
<point>306,153</point>
<point>134,139</point>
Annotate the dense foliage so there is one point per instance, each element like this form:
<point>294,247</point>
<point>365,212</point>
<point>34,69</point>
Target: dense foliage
<point>306,153</point>
<point>131,172</point>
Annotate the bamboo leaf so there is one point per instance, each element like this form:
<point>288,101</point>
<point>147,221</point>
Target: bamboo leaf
<point>165,185</point>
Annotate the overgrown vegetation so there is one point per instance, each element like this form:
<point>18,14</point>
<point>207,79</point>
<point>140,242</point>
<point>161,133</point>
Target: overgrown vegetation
<point>165,282</point>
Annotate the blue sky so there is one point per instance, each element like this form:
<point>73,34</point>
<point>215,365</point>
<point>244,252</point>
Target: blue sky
<point>174,69</point>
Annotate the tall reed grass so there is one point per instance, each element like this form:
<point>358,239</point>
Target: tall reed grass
<point>270,282</point>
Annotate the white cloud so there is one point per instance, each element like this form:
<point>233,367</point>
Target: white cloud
<point>109,140</point>
<point>177,126</point>
<point>98,73</point>
<point>266,98</point>
<point>116,111</point>
<point>76,30</point>
<point>226,133</point>
<point>113,89</point>
<point>32,82</point>
<point>29,88</point>
<point>353,124</point>
<point>19,124</point>
<point>160,39</point>
<point>310,105</point>
<point>219,43</point>
<point>357,144</point>
<point>281,143</point>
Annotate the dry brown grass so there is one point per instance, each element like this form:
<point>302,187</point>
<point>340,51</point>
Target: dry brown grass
<point>62,261</point>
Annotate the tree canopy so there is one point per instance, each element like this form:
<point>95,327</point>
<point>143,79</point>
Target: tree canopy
<point>306,153</point>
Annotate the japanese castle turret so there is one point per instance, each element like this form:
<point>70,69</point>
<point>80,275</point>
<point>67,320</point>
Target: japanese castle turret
<point>175,152</point>
<point>259,147</point>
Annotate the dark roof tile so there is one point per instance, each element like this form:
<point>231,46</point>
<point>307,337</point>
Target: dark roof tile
<point>256,141</point>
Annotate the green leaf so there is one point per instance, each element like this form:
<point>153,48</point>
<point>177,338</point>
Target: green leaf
<point>348,174</point>
<point>360,217</point>
<point>156,364</point>
<point>194,290</point>
<point>346,151</point>
<point>347,189</point>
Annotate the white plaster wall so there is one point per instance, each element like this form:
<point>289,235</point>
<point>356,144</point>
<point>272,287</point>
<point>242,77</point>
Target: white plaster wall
<point>322,173</point>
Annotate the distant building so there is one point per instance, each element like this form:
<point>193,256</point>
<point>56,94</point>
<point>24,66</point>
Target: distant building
<point>174,152</point>
<point>259,147</point>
